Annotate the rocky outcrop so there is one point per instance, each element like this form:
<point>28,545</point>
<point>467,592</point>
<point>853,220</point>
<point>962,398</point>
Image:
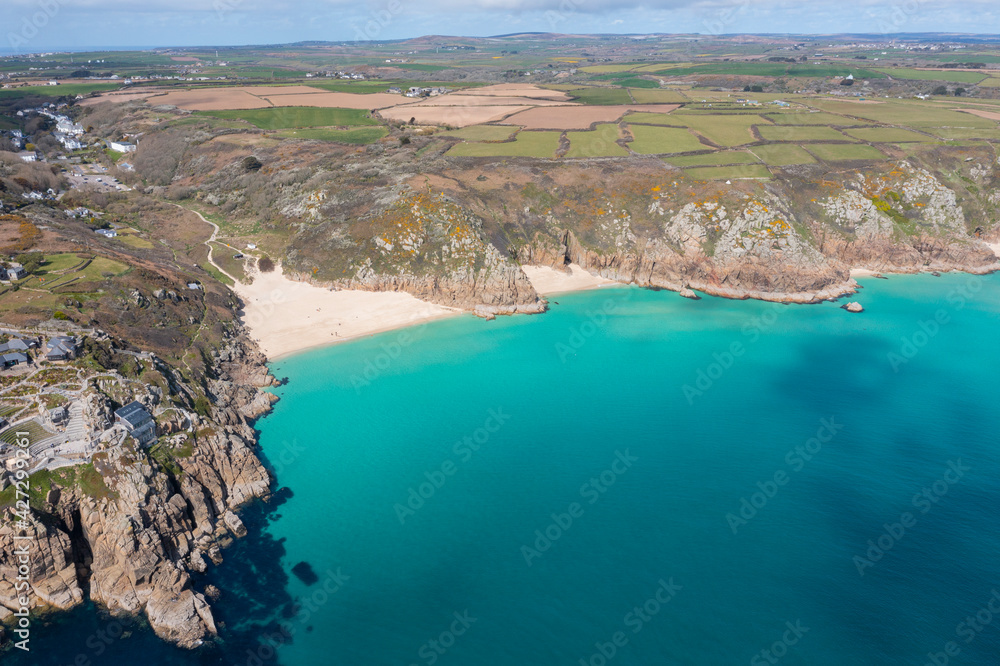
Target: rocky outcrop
<point>134,535</point>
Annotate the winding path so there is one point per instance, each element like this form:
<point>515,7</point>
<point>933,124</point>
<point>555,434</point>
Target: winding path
<point>211,239</point>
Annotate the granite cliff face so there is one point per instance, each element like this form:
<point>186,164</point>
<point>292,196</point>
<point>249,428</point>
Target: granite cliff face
<point>129,539</point>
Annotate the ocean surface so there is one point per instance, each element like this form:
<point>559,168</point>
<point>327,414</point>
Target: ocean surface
<point>632,478</point>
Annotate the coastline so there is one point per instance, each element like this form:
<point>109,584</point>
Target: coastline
<point>547,280</point>
<point>285,316</point>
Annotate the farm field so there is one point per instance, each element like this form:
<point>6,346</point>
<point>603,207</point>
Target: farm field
<point>962,133</point>
<point>356,135</point>
<point>602,96</point>
<point>576,117</point>
<point>645,96</point>
<point>887,135</point>
<point>450,116</point>
<point>778,154</point>
<point>723,130</point>
<point>58,91</point>
<point>482,133</point>
<point>906,113</point>
<point>293,117</point>
<point>525,144</point>
<point>776,69</point>
<point>714,159</point>
<point>814,118</point>
<point>800,133</point>
<point>843,152</point>
<point>934,75</point>
<point>601,142</point>
<point>739,172</point>
<point>650,140</point>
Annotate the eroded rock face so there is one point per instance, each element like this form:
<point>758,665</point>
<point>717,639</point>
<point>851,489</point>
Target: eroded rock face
<point>144,532</point>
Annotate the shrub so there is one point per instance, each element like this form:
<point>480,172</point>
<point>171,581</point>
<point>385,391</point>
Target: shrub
<point>251,163</point>
<point>265,264</point>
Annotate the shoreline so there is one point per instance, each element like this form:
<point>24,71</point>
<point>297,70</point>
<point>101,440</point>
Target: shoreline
<point>548,281</point>
<point>285,316</point>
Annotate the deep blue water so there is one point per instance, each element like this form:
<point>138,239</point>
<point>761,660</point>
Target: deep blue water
<point>578,483</point>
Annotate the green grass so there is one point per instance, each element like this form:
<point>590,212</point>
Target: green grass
<point>887,135</point>
<point>294,117</point>
<point>421,67</point>
<point>922,75</point>
<point>816,118</point>
<point>843,152</point>
<point>649,140</point>
<point>723,130</point>
<point>482,133</point>
<point>643,96</point>
<point>912,114</point>
<point>714,159</point>
<point>357,135</point>
<point>962,133</point>
<point>526,144</point>
<point>601,142</point>
<point>990,83</point>
<point>786,154</point>
<point>653,119</point>
<point>602,96</point>
<point>58,91</point>
<point>757,171</point>
<point>776,69</point>
<point>800,133</point>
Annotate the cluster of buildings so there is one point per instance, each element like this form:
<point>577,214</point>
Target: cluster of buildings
<point>417,91</point>
<point>18,350</point>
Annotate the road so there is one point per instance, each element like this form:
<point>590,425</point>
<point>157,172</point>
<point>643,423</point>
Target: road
<point>211,239</point>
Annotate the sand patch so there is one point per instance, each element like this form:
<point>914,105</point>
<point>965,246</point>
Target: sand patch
<point>548,280</point>
<point>286,316</point>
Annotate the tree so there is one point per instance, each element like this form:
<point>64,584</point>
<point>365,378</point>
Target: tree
<point>940,90</point>
<point>959,92</point>
<point>265,264</point>
<point>251,163</point>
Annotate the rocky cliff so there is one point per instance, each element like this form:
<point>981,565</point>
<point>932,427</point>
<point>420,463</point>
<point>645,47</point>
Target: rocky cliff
<point>131,531</point>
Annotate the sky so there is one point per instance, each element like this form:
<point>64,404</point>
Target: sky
<point>36,25</point>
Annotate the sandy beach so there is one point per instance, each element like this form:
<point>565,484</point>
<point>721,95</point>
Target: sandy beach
<point>286,316</point>
<point>863,272</point>
<point>547,280</point>
<point>996,248</point>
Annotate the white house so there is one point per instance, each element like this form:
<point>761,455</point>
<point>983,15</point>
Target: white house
<point>121,146</point>
<point>28,156</point>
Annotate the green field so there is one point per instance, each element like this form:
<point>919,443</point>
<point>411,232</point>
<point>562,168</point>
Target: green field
<point>602,96</point>
<point>962,133</point>
<point>356,135</point>
<point>776,69</point>
<point>991,83</point>
<point>926,75</point>
<point>714,159</point>
<point>601,142</point>
<point>294,117</point>
<point>815,118</point>
<point>915,114</point>
<point>482,133</point>
<point>723,130</point>
<point>843,152</point>
<point>652,119</point>
<point>59,90</point>
<point>526,144</point>
<point>755,171</point>
<point>800,133</point>
<point>887,135</point>
<point>778,154</point>
<point>651,140</point>
<point>643,96</point>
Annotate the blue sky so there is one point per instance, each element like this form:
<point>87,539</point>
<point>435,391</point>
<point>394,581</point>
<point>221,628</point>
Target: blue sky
<point>34,25</point>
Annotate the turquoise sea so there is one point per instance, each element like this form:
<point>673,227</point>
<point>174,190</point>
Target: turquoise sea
<point>632,478</point>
